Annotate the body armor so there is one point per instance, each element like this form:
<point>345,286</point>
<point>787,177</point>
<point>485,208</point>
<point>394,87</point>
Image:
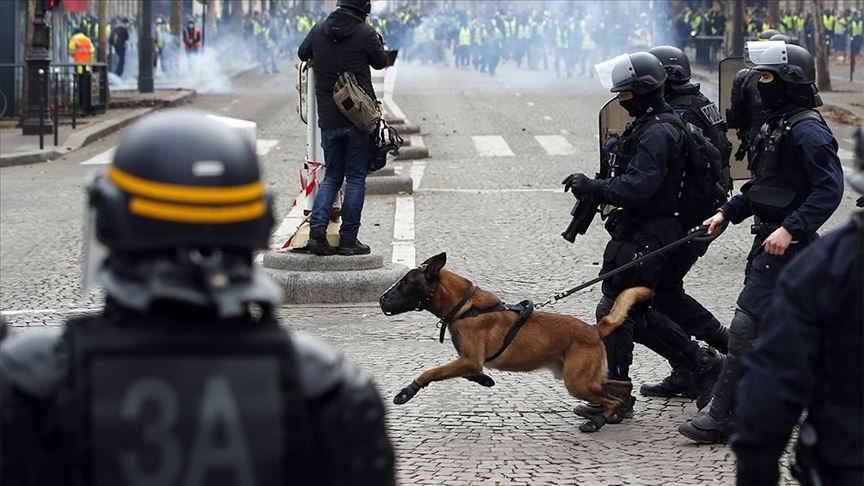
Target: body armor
<point>691,99</point>
<point>184,400</point>
<point>780,182</point>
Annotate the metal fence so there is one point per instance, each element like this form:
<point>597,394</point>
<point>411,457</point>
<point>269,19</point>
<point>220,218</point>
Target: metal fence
<point>70,90</point>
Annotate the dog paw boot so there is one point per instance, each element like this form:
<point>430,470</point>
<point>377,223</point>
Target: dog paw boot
<point>591,410</point>
<point>350,245</point>
<point>407,393</point>
<point>318,243</point>
<point>681,383</point>
<point>593,424</point>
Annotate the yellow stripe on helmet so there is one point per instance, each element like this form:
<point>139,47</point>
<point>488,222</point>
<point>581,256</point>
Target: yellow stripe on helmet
<point>185,194</point>
<point>180,213</point>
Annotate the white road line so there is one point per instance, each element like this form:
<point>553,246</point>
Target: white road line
<point>416,173</point>
<point>101,159</point>
<point>49,311</point>
<point>265,146</point>
<point>491,146</point>
<point>489,191</point>
<point>404,252</point>
<point>530,103</point>
<point>555,144</point>
<point>547,117</point>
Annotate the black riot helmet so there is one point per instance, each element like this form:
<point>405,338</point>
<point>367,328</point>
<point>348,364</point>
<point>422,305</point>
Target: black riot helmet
<point>794,65</point>
<point>675,62</point>
<point>182,178</point>
<point>767,34</point>
<point>639,73</point>
<point>782,38</point>
<point>363,7</point>
<point>177,217</point>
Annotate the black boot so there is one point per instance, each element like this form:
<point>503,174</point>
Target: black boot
<point>681,383</point>
<point>350,245</point>
<point>318,243</point>
<point>716,426</point>
<point>719,340</point>
<point>591,410</point>
<point>709,365</point>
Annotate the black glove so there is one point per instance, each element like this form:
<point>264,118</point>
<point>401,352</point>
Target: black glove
<point>579,184</point>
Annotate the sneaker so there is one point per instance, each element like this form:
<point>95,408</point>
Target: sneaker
<point>350,245</point>
<point>681,383</point>
<point>318,243</point>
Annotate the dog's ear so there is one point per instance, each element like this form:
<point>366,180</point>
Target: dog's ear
<point>432,267</point>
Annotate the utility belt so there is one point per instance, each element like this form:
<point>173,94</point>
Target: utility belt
<point>763,229</point>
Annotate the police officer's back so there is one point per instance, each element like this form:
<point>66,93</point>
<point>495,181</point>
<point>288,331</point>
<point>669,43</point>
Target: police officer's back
<point>185,377</point>
<point>810,355</point>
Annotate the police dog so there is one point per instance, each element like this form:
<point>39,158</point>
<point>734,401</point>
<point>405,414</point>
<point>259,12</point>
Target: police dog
<point>570,348</point>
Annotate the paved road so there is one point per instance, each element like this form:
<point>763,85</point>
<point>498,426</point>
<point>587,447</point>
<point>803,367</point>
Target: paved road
<point>490,197</point>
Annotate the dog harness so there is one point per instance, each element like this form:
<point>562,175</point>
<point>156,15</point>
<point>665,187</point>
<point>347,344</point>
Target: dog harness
<point>524,310</point>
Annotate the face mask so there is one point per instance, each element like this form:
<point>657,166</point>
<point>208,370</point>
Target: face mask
<point>772,94</point>
<point>632,106</point>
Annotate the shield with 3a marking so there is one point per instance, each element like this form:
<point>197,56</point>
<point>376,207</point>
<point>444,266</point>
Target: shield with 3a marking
<point>729,68</point>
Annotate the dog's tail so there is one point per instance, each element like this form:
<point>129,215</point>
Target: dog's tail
<point>625,300</point>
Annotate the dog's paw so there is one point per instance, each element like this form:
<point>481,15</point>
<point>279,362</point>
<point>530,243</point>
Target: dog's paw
<point>481,379</point>
<point>593,424</point>
<point>407,393</point>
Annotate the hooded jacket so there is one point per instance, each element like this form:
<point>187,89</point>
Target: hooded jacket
<point>343,42</point>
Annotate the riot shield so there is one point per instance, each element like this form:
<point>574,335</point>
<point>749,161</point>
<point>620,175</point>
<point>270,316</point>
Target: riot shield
<point>613,120</point>
<point>729,67</point>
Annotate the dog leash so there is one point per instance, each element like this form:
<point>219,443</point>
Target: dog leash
<point>699,232</point>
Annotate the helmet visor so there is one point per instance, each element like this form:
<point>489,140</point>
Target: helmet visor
<point>763,53</point>
<point>94,252</point>
<point>615,71</point>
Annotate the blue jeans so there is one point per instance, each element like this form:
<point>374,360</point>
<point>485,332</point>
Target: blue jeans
<point>346,153</point>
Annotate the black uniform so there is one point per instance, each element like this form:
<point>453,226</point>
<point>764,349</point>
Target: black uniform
<point>810,355</point>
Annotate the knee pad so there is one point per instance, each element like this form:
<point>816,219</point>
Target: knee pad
<point>742,332</point>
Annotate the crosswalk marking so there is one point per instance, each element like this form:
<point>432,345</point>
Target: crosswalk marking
<point>555,144</point>
<point>491,146</point>
<point>103,158</point>
<point>403,232</point>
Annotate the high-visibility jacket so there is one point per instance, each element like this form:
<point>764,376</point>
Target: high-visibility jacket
<point>840,25</point>
<point>587,41</point>
<point>256,28</point>
<point>160,33</point>
<point>561,37</point>
<point>856,27</point>
<point>509,27</point>
<point>192,38</point>
<point>81,49</point>
<point>828,22</point>
<point>523,31</point>
<point>641,38</point>
<point>464,36</point>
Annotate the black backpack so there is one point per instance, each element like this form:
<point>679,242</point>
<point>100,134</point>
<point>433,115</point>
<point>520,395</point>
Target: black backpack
<point>703,187</point>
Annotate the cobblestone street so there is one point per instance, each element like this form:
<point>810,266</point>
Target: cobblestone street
<point>491,197</point>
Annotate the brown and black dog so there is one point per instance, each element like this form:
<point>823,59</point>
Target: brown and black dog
<point>570,348</point>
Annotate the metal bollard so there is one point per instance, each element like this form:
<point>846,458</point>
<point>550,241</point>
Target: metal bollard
<point>42,109</point>
<point>56,108</point>
<point>75,98</point>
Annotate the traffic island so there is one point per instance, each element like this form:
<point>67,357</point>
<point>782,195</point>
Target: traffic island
<point>336,279</point>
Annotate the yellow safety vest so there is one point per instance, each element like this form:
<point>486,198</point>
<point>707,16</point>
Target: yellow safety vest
<point>464,36</point>
<point>857,27</point>
<point>840,26</point>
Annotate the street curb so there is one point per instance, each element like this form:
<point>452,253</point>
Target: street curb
<point>336,287</point>
<point>407,129</point>
<point>304,262</point>
<point>416,150</point>
<point>832,106</point>
<point>395,184</point>
<point>180,97</point>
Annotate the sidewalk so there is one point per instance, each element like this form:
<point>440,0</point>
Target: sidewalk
<point>125,107</point>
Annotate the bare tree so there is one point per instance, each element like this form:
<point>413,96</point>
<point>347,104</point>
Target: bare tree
<point>823,75</point>
<point>103,27</point>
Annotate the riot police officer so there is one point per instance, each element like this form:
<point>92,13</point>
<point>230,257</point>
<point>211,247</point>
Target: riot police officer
<point>810,354</point>
<point>671,299</point>
<point>796,185</point>
<point>186,376</point>
<point>646,193</point>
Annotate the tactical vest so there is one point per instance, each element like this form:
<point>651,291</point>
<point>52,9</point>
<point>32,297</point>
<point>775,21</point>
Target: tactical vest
<point>844,346</point>
<point>181,402</point>
<point>664,201</point>
<point>780,182</point>
<point>695,102</point>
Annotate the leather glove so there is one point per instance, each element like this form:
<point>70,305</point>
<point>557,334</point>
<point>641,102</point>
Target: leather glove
<point>579,184</point>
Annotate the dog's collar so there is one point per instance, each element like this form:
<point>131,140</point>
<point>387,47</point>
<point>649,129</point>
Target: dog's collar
<point>450,316</point>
